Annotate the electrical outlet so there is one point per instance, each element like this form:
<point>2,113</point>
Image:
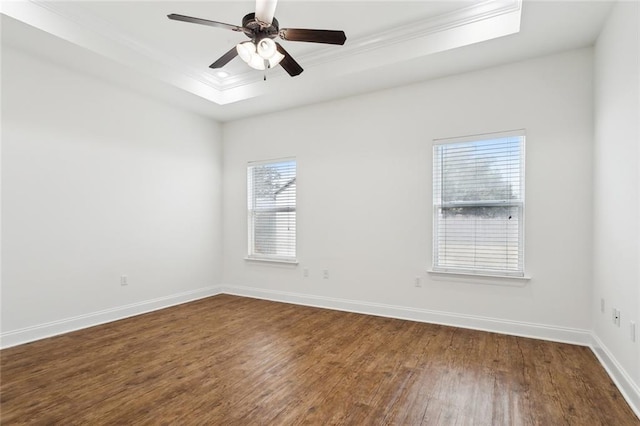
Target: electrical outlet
<point>417,282</point>
<point>615,316</point>
<point>632,330</point>
<point>124,280</point>
<point>325,274</point>
<point>305,272</point>
<point>602,305</point>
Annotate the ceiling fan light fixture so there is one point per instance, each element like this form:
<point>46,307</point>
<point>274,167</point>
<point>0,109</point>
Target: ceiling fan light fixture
<point>264,54</point>
<point>246,51</point>
<point>257,62</point>
<point>266,48</point>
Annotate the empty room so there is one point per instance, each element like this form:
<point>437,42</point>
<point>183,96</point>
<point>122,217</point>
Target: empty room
<point>320,212</point>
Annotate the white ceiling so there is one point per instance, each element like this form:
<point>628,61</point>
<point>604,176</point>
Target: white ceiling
<point>389,43</point>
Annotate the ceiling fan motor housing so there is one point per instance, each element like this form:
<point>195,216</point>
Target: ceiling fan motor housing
<point>258,30</point>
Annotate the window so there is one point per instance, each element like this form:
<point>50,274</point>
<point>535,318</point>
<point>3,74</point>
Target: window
<point>478,205</point>
<point>272,210</point>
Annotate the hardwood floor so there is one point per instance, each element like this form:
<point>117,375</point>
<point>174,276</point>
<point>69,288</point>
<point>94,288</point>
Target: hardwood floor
<point>239,361</point>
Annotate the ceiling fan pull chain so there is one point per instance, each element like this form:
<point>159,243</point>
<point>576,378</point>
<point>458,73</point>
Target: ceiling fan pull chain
<point>266,67</point>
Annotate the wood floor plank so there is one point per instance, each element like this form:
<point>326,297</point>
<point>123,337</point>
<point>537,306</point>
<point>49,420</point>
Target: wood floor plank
<point>239,361</point>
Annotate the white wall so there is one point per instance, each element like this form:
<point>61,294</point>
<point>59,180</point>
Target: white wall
<point>98,181</point>
<point>364,194</point>
<point>616,256</point>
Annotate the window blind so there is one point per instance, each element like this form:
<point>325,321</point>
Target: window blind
<point>272,210</point>
<point>478,201</point>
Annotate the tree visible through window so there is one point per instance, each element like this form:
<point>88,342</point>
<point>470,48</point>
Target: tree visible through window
<point>478,200</point>
<point>272,210</point>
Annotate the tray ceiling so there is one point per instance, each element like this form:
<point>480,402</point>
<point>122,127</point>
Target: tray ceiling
<point>388,42</point>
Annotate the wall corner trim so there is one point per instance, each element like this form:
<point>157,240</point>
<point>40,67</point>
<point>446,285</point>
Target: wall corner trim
<point>629,390</point>
<point>66,325</point>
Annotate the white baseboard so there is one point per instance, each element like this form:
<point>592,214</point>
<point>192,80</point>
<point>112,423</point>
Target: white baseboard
<point>66,325</point>
<point>515,328</point>
<point>629,390</point>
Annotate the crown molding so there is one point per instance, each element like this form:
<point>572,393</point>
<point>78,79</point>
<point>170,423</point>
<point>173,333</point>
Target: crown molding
<point>421,29</point>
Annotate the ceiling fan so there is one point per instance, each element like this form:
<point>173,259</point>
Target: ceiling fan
<point>262,52</point>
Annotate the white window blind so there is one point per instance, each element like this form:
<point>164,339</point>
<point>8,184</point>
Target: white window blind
<point>478,202</point>
<point>272,210</point>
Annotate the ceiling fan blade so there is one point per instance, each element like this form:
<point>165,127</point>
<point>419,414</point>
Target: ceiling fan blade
<point>265,10</point>
<point>224,59</point>
<point>288,63</point>
<point>313,36</point>
<point>201,21</point>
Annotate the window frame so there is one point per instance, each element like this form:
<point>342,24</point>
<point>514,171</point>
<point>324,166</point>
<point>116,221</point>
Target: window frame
<point>519,203</point>
<point>251,255</point>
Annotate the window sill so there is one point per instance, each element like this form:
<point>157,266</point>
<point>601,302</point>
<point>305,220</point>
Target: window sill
<point>283,261</point>
<point>481,278</point>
